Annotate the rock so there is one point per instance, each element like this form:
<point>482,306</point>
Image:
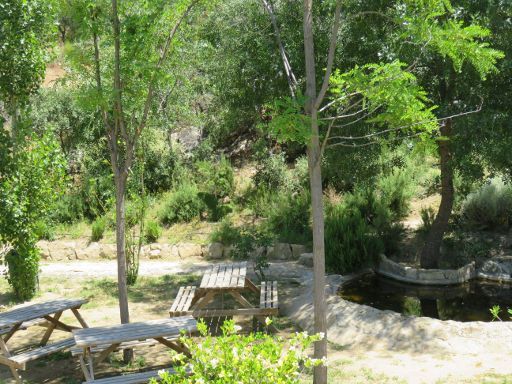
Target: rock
<point>213,251</point>
<point>108,251</point>
<point>491,267</point>
<point>188,250</point>
<point>63,254</point>
<point>258,252</point>
<point>155,254</point>
<point>227,251</point>
<point>306,259</point>
<point>155,246</point>
<point>280,251</point>
<point>297,250</point>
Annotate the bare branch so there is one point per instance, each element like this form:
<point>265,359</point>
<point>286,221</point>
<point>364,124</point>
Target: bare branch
<point>354,145</point>
<point>290,76</point>
<point>330,56</point>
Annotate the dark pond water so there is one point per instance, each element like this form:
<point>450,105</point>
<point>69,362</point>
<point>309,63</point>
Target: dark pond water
<point>468,302</point>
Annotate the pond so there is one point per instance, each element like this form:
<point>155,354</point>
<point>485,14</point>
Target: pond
<point>467,302</point>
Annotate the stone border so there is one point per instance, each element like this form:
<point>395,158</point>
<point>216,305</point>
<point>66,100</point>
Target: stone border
<point>421,276</point>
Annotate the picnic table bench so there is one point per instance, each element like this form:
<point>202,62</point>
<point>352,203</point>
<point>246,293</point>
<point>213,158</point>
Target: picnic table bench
<point>45,314</point>
<point>110,338</point>
<point>226,278</point>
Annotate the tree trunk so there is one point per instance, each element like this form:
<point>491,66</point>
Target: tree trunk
<point>315,174</point>
<point>121,256</point>
<point>431,251</point>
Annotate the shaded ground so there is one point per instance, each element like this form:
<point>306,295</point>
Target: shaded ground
<point>151,297</point>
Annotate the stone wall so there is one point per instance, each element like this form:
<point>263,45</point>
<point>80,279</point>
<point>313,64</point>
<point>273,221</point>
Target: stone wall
<point>400,272</point>
<point>83,250</point>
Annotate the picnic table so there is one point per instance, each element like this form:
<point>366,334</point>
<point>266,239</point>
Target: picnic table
<point>46,314</point>
<point>110,338</point>
<point>231,279</point>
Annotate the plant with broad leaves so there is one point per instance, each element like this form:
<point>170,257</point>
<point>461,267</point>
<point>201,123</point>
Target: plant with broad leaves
<point>235,359</point>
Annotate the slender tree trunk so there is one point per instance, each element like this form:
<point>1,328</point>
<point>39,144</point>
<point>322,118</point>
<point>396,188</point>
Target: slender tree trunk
<point>315,174</point>
<point>121,256</point>
<point>431,251</point>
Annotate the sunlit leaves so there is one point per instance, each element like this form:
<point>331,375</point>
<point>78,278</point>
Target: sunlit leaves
<point>387,93</point>
<point>289,123</point>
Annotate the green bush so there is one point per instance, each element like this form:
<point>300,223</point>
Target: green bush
<point>44,231</point>
<point>236,359</point>
<point>215,178</point>
<point>396,190</point>
<point>152,232</point>
<point>288,217</point>
<point>98,229</point>
<point>489,207</point>
<point>358,230</point>
<point>350,243</point>
<point>226,233</point>
<point>23,263</point>
<point>184,205</point>
<point>272,173</point>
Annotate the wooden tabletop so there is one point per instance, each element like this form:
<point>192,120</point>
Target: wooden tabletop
<point>225,276</point>
<point>37,310</point>
<point>90,337</point>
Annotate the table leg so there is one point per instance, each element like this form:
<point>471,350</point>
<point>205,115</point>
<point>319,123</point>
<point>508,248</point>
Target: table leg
<point>242,300</point>
<point>250,285</point>
<point>205,300</point>
<point>7,354</point>
<point>85,369</point>
<point>107,352</point>
<point>59,324</point>
<point>79,317</point>
<point>51,328</point>
<point>12,332</point>
<point>176,345</point>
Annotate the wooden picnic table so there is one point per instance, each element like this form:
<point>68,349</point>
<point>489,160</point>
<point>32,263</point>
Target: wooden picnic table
<point>110,338</point>
<point>46,314</point>
<point>231,279</point>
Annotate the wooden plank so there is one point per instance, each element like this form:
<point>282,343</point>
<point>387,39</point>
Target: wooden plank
<point>263,294</point>
<point>275,303</point>
<point>38,310</point>
<point>134,331</point>
<point>134,378</point>
<point>104,354</point>
<point>200,313</point>
<point>12,331</point>
<point>242,300</point>
<point>37,353</point>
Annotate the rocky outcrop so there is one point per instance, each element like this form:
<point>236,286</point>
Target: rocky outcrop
<point>407,274</point>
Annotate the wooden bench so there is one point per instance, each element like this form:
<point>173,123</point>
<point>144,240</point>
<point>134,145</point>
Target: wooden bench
<point>268,297</point>
<point>134,378</point>
<point>25,325</point>
<point>19,361</point>
<point>76,350</point>
<point>182,303</point>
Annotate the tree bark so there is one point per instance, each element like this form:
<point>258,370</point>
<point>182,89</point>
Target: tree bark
<point>315,174</point>
<point>431,251</point>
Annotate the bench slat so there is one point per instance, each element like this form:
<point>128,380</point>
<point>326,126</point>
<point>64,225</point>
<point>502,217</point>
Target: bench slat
<point>134,378</point>
<point>183,300</point>
<point>268,295</point>
<point>36,353</point>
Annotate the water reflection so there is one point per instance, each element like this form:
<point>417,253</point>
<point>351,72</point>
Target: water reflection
<point>467,302</point>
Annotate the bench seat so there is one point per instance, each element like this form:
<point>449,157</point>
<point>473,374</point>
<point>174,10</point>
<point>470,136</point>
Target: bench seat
<point>183,302</point>
<point>41,322</point>
<point>76,350</point>
<point>21,359</point>
<point>134,378</point>
<point>268,297</point>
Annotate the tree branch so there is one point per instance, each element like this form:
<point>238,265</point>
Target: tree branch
<point>290,76</point>
<point>330,56</point>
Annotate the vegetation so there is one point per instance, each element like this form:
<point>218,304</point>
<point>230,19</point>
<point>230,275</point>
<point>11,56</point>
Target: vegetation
<point>234,358</point>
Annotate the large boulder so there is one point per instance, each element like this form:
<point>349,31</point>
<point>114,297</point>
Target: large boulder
<point>108,251</point>
<point>306,259</point>
<point>213,251</point>
<point>298,250</point>
<point>188,250</point>
<point>280,251</point>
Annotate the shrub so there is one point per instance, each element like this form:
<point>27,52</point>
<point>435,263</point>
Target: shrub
<point>350,243</point>
<point>215,178</point>
<point>489,207</point>
<point>44,231</point>
<point>235,359</point>
<point>23,263</point>
<point>288,216</point>
<point>184,205</point>
<point>396,190</point>
<point>226,233</point>
<point>98,229</point>
<point>153,231</point>
<point>249,240</point>
<point>272,173</point>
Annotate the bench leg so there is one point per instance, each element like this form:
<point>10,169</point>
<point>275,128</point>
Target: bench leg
<point>51,328</point>
<point>79,317</point>
<point>6,353</point>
